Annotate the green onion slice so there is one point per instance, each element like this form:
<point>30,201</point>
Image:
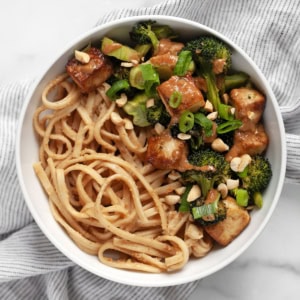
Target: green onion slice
<point>242,197</point>
<point>151,78</point>
<point>183,63</point>
<point>186,121</point>
<point>199,212</point>
<point>204,122</point>
<point>229,126</point>
<point>116,88</point>
<point>225,111</point>
<point>184,205</point>
<point>175,99</point>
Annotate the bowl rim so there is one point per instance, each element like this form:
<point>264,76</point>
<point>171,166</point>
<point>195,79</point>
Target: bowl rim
<point>49,234</point>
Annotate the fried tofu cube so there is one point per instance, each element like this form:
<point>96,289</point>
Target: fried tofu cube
<point>169,46</point>
<point>165,152</point>
<point>88,76</point>
<point>164,64</point>
<point>249,105</point>
<point>237,219</point>
<point>191,97</point>
<point>250,142</point>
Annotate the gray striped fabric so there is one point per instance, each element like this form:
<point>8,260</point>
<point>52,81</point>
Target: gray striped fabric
<point>30,266</point>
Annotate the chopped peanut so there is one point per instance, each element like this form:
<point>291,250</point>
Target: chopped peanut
<point>208,106</point>
<point>234,164</point>
<point>184,136</point>
<point>223,189</point>
<point>212,116</point>
<point>219,146</point>
<point>194,193</point>
<point>82,57</point>
<point>172,199</point>
<point>159,129</point>
<point>232,183</point>
<point>122,100</point>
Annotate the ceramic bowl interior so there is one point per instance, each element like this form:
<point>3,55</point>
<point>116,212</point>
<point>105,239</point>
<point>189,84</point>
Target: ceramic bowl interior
<point>27,154</point>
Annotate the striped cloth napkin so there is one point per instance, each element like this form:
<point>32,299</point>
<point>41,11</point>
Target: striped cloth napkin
<point>30,266</point>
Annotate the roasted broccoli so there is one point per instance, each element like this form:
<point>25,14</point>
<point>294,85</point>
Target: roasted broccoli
<point>208,157</point>
<point>205,180</point>
<point>218,170</point>
<point>257,175</point>
<point>158,114</point>
<point>146,32</point>
<point>120,73</point>
<point>210,54</point>
<point>206,50</point>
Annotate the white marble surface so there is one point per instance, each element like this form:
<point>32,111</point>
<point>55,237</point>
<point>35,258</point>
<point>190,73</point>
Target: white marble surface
<point>33,32</point>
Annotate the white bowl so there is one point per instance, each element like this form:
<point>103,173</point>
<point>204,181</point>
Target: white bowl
<point>27,154</point>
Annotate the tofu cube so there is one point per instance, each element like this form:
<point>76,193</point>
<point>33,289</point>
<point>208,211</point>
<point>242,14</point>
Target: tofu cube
<point>89,76</point>
<point>191,97</point>
<point>237,219</point>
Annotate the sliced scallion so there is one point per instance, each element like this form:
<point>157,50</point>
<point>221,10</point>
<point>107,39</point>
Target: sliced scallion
<point>116,88</point>
<point>183,63</point>
<point>150,77</point>
<point>205,123</point>
<point>241,197</point>
<point>186,121</point>
<point>229,126</point>
<point>184,205</point>
<point>175,99</point>
<point>199,212</point>
<point>225,111</point>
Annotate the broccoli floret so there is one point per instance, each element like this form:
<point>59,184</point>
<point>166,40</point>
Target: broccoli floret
<point>142,34</point>
<point>121,72</point>
<point>146,32</point>
<point>158,114</point>
<point>206,50</point>
<point>207,179</point>
<point>208,157</point>
<point>257,175</point>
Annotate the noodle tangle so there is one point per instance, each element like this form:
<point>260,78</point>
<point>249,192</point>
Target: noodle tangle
<point>110,203</point>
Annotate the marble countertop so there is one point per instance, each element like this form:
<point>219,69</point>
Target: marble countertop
<point>33,32</point>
